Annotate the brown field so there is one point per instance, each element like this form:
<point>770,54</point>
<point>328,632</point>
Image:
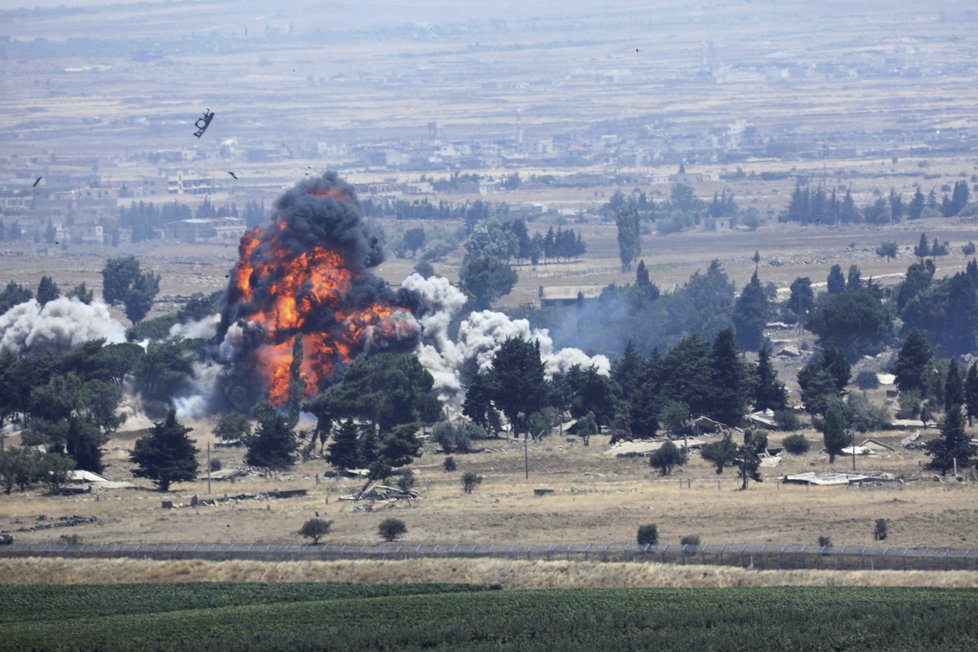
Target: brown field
<point>508,574</point>
<point>596,499</point>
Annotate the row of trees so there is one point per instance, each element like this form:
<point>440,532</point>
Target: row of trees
<point>817,206</point>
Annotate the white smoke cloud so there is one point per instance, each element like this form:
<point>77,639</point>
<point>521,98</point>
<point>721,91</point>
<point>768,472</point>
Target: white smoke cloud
<point>196,404</point>
<point>61,323</point>
<point>479,337</point>
<point>203,329</point>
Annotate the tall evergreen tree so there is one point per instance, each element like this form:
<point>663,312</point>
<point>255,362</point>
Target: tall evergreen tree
<point>728,396</point>
<point>802,298</point>
<point>47,290</point>
<point>343,452</point>
<point>953,388</point>
<point>750,315</point>
<point>912,362</point>
<point>769,393</point>
<point>166,455</point>
<point>273,442</point>
<point>836,282</point>
<point>971,392</point>
<point>961,318</point>
<point>517,379</point>
<point>629,235</point>
<point>953,447</point>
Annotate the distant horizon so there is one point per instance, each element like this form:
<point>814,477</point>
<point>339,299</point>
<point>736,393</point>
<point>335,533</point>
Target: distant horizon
<point>11,5</point>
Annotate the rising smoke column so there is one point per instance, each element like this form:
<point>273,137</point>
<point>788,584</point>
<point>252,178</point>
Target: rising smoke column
<point>308,274</point>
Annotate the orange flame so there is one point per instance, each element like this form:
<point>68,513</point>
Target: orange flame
<point>300,290</point>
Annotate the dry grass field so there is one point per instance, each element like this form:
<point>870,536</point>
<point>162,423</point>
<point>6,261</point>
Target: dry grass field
<point>509,574</point>
<point>596,499</point>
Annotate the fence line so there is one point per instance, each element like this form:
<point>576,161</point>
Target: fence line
<point>765,556</point>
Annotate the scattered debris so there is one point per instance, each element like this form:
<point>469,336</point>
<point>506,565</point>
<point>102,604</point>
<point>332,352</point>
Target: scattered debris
<point>37,181</point>
<point>63,521</point>
<point>885,379</point>
<point>763,419</point>
<point>876,445</point>
<point>230,500</point>
<point>634,448</point>
<point>225,474</point>
<point>905,424</point>
<point>380,495</point>
<point>912,441</point>
<point>824,479</point>
<point>6,538</point>
<point>542,492</point>
<point>789,352</point>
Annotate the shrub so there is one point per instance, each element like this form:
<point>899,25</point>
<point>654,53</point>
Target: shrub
<point>470,480</point>
<point>824,542</point>
<point>648,535</point>
<point>880,530</point>
<point>70,539</point>
<point>690,540</point>
<point>796,444</point>
<point>390,529</point>
<point>449,463</point>
<point>865,416</point>
<point>315,529</point>
<point>668,456</point>
<point>867,380</point>
<point>216,465</point>
<point>787,419</point>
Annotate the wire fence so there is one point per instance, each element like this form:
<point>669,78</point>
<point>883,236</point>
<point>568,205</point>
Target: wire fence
<point>765,556</point>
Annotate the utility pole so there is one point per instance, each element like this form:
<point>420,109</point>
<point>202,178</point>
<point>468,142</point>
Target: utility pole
<point>208,468</point>
<point>526,456</point>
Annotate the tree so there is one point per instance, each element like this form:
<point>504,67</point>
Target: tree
<point>971,392</point>
<point>47,290</point>
<point>855,320</point>
<point>750,315</point>
<point>887,250</point>
<point>118,276</point>
<point>916,206</point>
<point>629,235</point>
<point>953,447</point>
<point>728,397</point>
<point>315,529</point>
<point>953,388</point>
<point>273,442</point>
<point>667,457</point>
<point>912,362</point>
<point>769,392</point>
<point>835,433</point>
<point>586,426</point>
<point>485,279</point>
<point>414,239</point>
<point>469,481</point>
<point>82,293</point>
<point>802,298</point>
<point>138,299</point>
<point>343,452</point>
<point>517,381</point>
<point>961,316</point>
<point>167,455</point>
<point>390,529</point>
<point>836,282</point>
<point>385,389</point>
<point>922,248</point>
<point>12,295</point>
<point>721,453</point>
<point>233,426</point>
<point>749,457</point>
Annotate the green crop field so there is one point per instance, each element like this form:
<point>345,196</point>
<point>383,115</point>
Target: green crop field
<point>447,617</point>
